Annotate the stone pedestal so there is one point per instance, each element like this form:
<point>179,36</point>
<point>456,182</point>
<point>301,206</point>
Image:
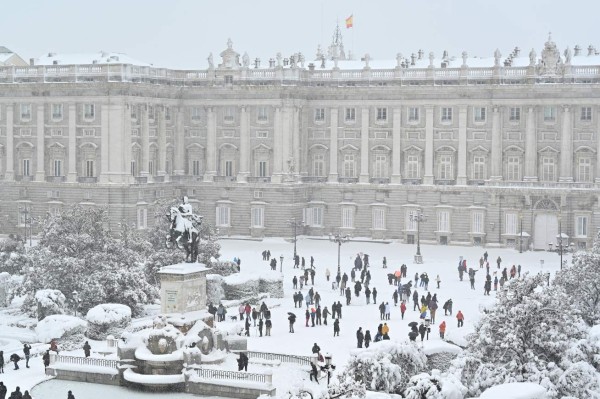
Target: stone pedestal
<point>418,259</point>
<point>183,287</point>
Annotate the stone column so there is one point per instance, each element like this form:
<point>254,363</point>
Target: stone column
<point>72,132</point>
<point>161,168</point>
<point>428,177</point>
<point>9,175</point>
<point>530,147</point>
<point>244,170</point>
<point>364,146</point>
<point>396,141</point>
<point>104,145</point>
<point>461,177</point>
<point>40,172</point>
<point>117,170</point>
<point>287,115</point>
<point>296,142</point>
<point>566,147</point>
<point>597,179</point>
<point>277,144</point>
<point>145,132</point>
<point>126,144</point>
<point>333,147</point>
<point>178,137</point>
<point>211,145</point>
<point>496,172</point>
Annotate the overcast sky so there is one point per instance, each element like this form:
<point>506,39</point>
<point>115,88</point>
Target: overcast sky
<point>181,33</point>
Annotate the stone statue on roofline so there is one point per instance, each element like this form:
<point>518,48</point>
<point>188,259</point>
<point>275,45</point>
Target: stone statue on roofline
<point>497,56</point>
<point>245,60</point>
<point>211,63</point>
<point>532,56</point>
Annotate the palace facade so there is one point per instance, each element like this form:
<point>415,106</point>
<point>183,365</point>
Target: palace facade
<point>498,151</point>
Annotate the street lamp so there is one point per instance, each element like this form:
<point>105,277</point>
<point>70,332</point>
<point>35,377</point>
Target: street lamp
<point>76,299</point>
<point>339,239</point>
<point>26,213</point>
<point>418,217</point>
<point>295,224</point>
<point>281,264</point>
<point>521,238</point>
<point>560,245</point>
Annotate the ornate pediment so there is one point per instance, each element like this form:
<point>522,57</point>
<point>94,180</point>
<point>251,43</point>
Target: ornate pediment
<point>550,63</point>
<point>231,59</point>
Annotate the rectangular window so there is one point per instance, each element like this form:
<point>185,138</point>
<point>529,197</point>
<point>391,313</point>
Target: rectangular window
<point>412,167</point>
<point>152,132</point>
<point>347,217</point>
<point>262,114</point>
<point>478,168</point>
<point>381,114</point>
<point>446,114</point>
<point>258,217</point>
<point>445,167</point>
<point>56,132</point>
<point>313,217</point>
<point>196,114</point>
<point>262,169</point>
<point>229,114</point>
<point>89,111</point>
<point>89,168</point>
<point>513,168</point>
<point>413,114</point>
<point>548,169</point>
<point>134,132</point>
<point>444,221</point>
<point>151,112</point>
<point>510,225</point>
<point>582,226</point>
<point>229,168</point>
<point>57,111</point>
<point>479,114</point>
<point>378,218</point>
<point>477,225</point>
<point>351,134</point>
<point>258,194</point>
<point>319,165</point>
<point>142,218</point>
<point>381,135</point>
<point>133,168</point>
<point>228,133</point>
<point>25,132</point>
<point>223,216</point>
<point>25,112</point>
<point>92,132</point>
<point>584,170</point>
<point>549,114</point>
<point>515,114</point>
<point>151,168</point>
<point>586,114</point>
<point>262,134</point>
<point>26,167</point>
<point>134,112</point>
<point>319,114</point>
<point>350,114</point>
<point>411,224</point>
<point>380,166</point>
<point>349,165</point>
<point>167,113</point>
<point>196,171</point>
<point>57,167</point>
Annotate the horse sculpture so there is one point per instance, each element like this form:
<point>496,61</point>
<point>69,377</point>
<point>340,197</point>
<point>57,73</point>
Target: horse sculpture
<point>184,233</point>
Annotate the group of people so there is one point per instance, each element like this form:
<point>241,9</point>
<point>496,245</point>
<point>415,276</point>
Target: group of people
<point>15,358</point>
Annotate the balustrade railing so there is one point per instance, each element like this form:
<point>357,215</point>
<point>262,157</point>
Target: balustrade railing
<point>87,361</point>
<point>294,359</point>
<point>217,374</point>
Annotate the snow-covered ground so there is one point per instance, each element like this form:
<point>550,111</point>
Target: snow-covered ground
<point>442,260</point>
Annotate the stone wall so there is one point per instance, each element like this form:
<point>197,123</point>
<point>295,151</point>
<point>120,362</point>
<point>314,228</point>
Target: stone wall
<point>219,389</point>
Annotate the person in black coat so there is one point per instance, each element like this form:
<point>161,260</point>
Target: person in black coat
<point>260,327</point>
<point>292,320</point>
<point>325,313</point>
<point>1,362</point>
<point>314,373</point>
<point>3,390</point>
<point>26,395</point>
<point>86,349</point>
<point>242,362</point>
<point>336,327</point>
<point>247,326</point>
<point>316,349</point>
<point>374,293</point>
<point>27,353</point>
<point>15,359</point>
<point>16,394</point>
<point>359,338</point>
<point>367,338</point>
<point>46,358</point>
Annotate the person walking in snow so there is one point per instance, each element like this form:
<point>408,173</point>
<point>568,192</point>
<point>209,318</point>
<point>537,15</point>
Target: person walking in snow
<point>325,313</point>
<point>292,320</point>
<point>3,390</point>
<point>327,274</point>
<point>442,329</point>
<point>27,353</point>
<point>15,359</point>
<point>374,293</point>
<point>336,327</point>
<point>461,318</point>
<point>46,359</point>
<point>387,310</point>
<point>519,270</point>
<point>247,327</point>
<point>268,325</point>
<point>359,338</point>
<point>86,349</point>
<point>438,280</point>
<point>367,338</point>
<point>1,363</point>
<point>381,311</point>
<point>499,261</point>
<point>348,296</point>
<point>395,297</point>
<point>318,315</point>
<point>368,294</point>
<point>307,316</point>
<point>415,300</point>
<point>26,395</point>
<point>384,262</point>
<point>260,327</point>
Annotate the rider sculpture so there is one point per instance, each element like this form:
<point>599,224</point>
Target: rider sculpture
<point>184,228</point>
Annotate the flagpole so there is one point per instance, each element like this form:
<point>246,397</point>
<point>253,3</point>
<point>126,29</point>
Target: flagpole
<point>353,50</point>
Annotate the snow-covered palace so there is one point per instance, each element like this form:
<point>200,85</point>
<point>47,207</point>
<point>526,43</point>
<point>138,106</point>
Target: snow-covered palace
<point>491,150</point>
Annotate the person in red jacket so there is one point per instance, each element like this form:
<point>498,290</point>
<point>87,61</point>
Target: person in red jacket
<point>461,318</point>
<point>442,329</point>
<point>403,309</point>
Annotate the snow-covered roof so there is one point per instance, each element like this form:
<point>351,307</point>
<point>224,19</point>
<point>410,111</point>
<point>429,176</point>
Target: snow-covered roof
<point>100,57</point>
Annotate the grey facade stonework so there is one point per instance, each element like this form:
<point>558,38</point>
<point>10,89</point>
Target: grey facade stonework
<point>485,152</point>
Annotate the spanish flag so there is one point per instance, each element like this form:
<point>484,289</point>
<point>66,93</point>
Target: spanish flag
<point>349,22</point>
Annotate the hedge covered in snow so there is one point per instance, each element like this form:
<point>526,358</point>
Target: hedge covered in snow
<point>49,302</point>
<point>69,330</point>
<point>107,319</point>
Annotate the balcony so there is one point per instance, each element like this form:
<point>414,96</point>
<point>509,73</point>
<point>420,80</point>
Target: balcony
<point>413,182</point>
<point>347,179</point>
<point>141,179</point>
<point>263,179</point>
<point>217,179</point>
<point>55,179</point>
<point>379,180</point>
<point>445,182</point>
<point>314,179</point>
<point>87,179</point>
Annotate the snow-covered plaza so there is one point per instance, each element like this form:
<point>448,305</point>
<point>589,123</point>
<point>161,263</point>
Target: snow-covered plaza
<point>438,260</point>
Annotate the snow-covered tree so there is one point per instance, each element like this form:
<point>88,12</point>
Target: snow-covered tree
<point>386,366</point>
<point>533,334</point>
<point>77,252</point>
<point>582,281</point>
<point>12,256</point>
<point>423,386</point>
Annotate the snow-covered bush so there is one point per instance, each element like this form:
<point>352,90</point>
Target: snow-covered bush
<point>49,302</point>
<point>239,286</point>
<point>215,291</point>
<point>107,319</point>
<point>423,386</point>
<point>68,330</point>
<point>224,268</point>
<point>13,258</point>
<point>386,366</point>
<point>580,380</point>
<point>271,284</point>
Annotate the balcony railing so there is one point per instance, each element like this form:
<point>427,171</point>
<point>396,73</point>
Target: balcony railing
<point>225,178</point>
<point>55,179</point>
<point>255,179</point>
<point>445,182</point>
<point>379,180</point>
<point>347,179</point>
<point>411,181</point>
<point>24,178</point>
<point>141,179</point>
<point>87,179</point>
<point>313,179</point>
